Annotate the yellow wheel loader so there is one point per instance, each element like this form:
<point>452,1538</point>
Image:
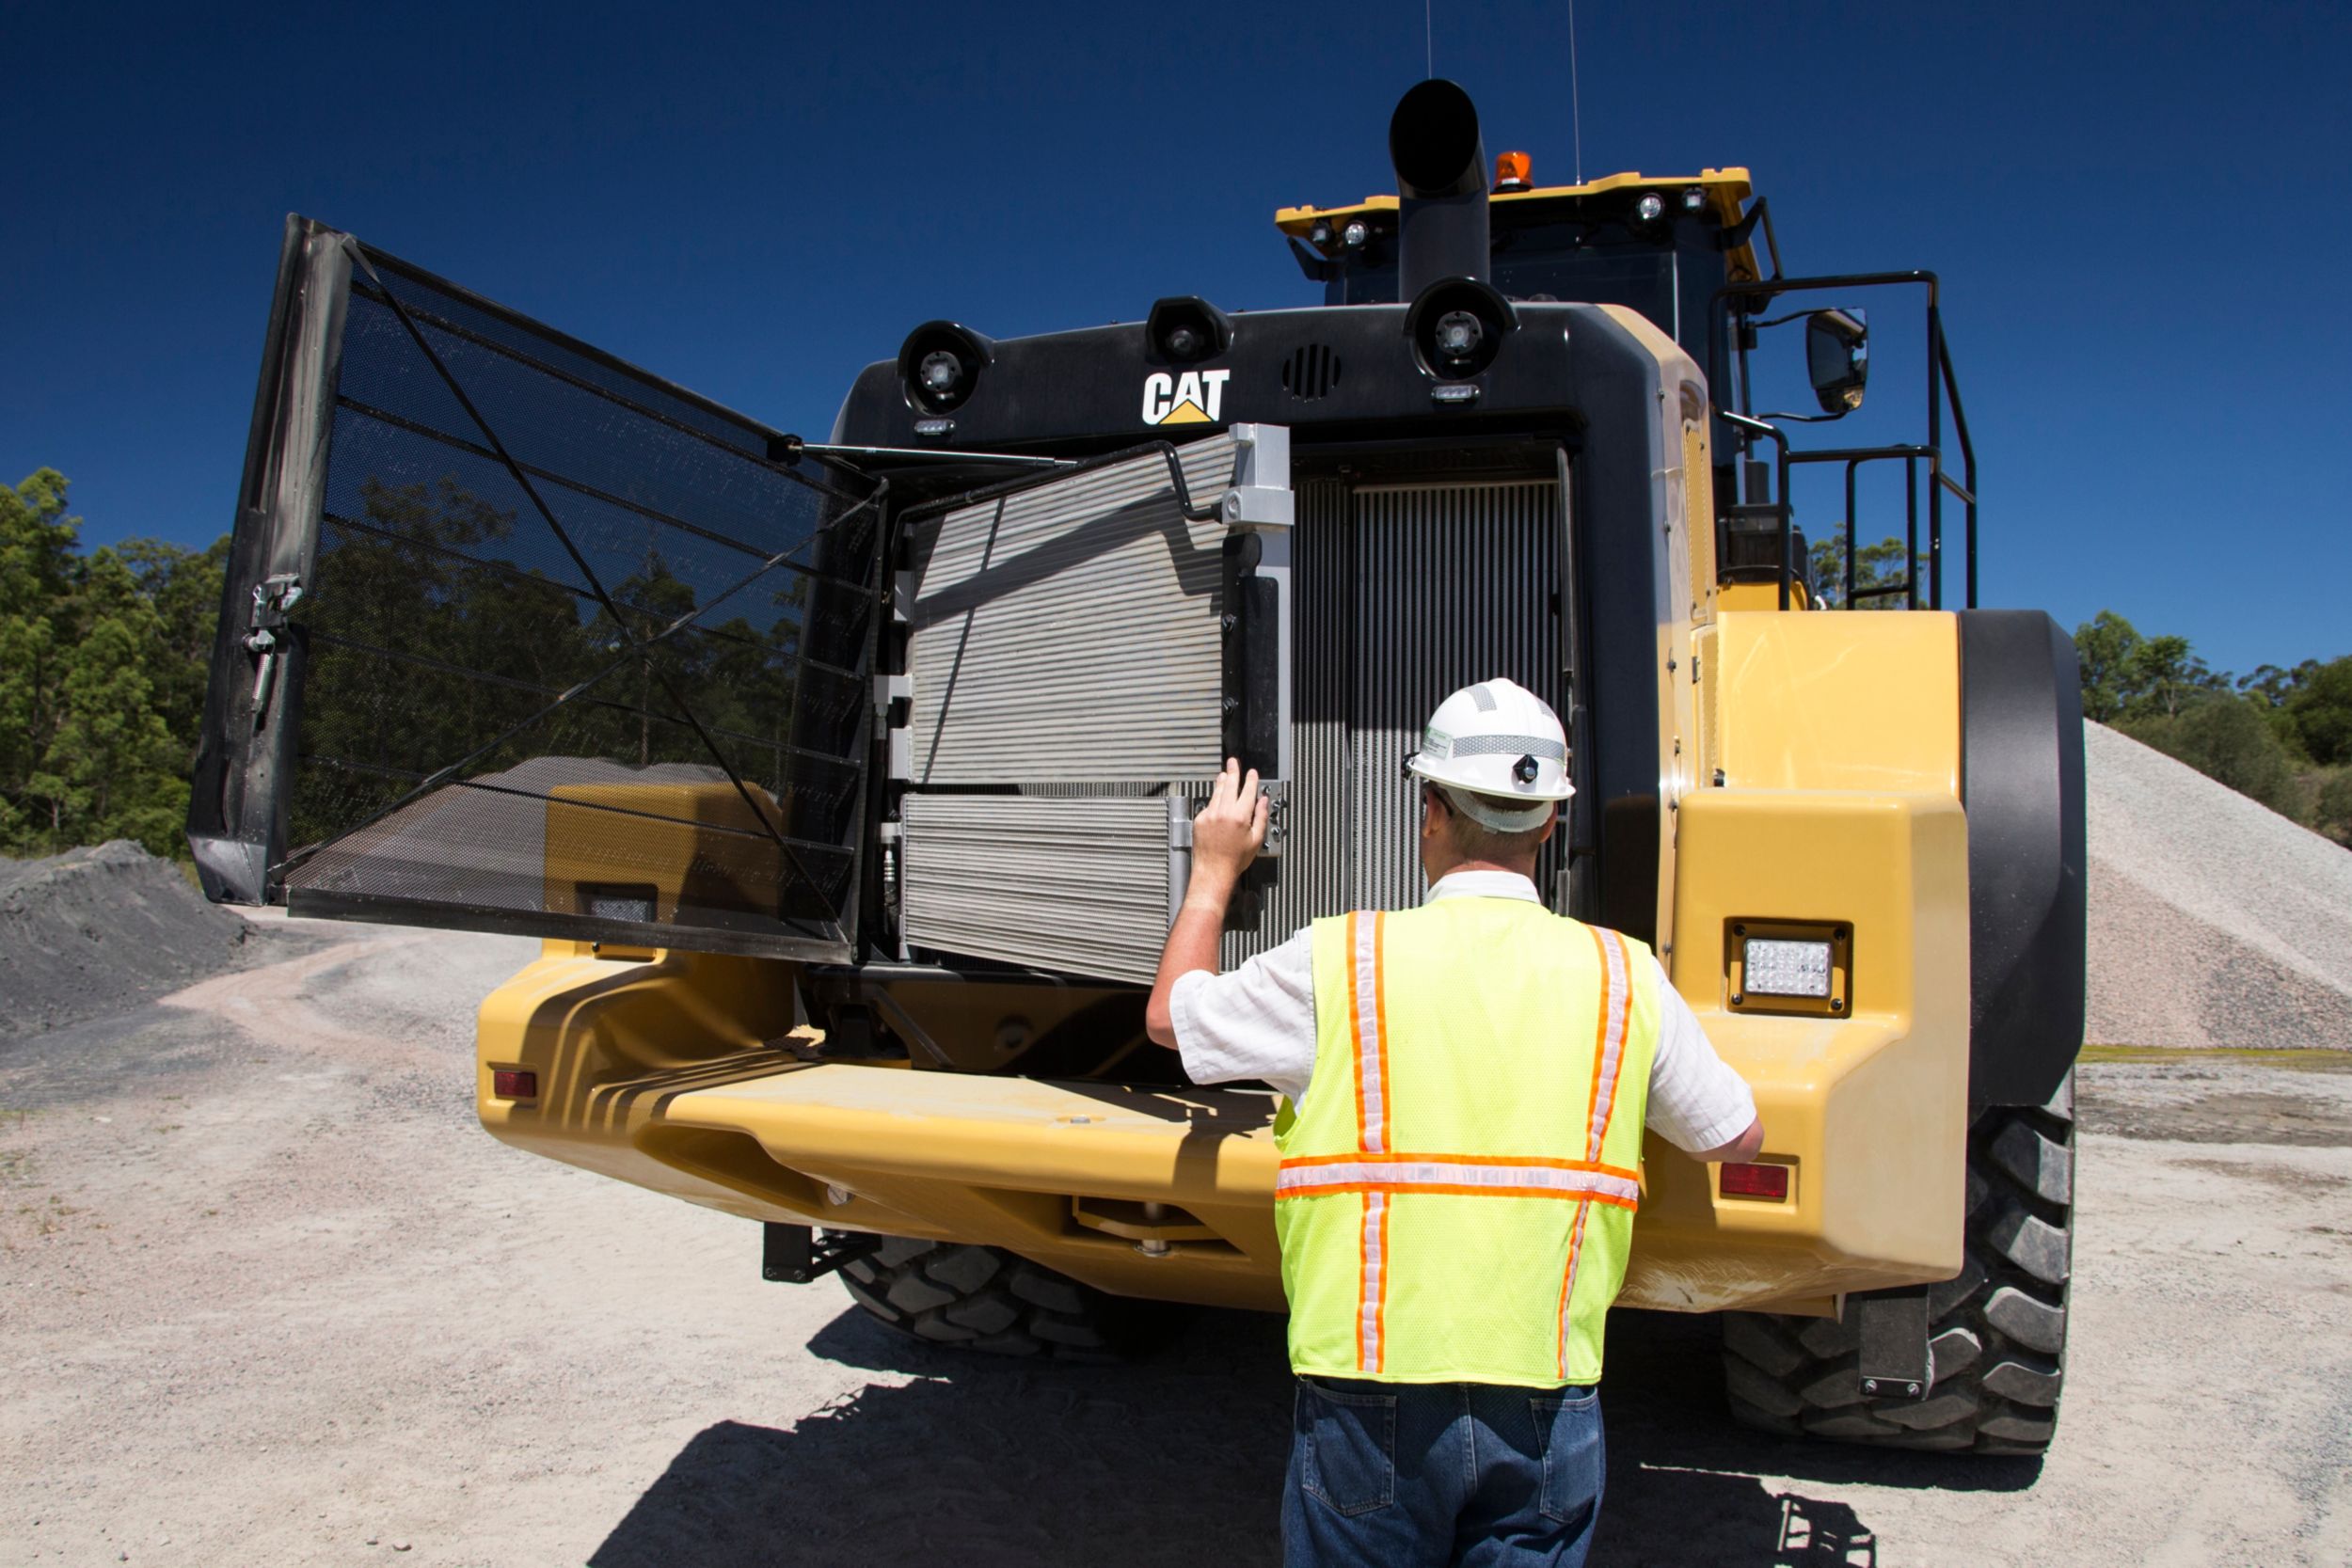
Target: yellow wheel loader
<point>849,782</point>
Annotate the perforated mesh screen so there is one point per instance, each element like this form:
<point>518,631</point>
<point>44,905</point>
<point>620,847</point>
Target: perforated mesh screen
<point>570,646</point>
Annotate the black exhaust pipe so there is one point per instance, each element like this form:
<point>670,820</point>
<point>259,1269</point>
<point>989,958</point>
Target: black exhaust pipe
<point>1441,165</point>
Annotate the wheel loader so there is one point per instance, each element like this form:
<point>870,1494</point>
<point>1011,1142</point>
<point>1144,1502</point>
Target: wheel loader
<point>847,783</point>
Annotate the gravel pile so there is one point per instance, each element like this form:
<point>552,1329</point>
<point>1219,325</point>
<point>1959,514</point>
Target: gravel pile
<point>93,931</point>
<point>2214,921</point>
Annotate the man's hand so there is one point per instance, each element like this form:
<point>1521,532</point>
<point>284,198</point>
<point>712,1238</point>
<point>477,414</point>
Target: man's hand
<point>1226,837</point>
<point>1228,833</point>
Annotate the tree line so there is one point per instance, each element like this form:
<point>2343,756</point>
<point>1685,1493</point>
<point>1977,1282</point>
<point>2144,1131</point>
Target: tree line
<point>102,662</point>
<point>2283,736</point>
<point>105,653</point>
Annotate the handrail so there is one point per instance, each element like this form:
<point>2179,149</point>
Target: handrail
<point>1943,382</point>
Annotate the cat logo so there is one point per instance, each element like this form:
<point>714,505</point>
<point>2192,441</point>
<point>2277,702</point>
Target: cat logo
<point>1195,397</point>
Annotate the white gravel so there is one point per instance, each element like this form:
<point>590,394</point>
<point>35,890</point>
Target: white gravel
<point>268,1296</point>
<point>2214,921</point>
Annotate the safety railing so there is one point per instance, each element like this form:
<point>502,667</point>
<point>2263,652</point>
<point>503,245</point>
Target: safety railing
<point>1942,385</point>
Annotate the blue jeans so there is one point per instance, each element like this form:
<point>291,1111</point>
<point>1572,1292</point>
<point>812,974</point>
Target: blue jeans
<point>1479,1474</point>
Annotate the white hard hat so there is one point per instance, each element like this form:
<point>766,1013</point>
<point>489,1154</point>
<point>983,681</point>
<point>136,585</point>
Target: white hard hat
<point>1500,752</point>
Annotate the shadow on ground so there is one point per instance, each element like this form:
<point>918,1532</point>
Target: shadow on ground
<point>1179,1461</point>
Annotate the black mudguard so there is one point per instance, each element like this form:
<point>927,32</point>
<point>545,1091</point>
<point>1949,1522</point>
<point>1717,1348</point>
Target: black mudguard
<point>2022,783</point>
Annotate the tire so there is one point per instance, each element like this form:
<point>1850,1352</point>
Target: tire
<point>1998,1328</point>
<point>983,1298</point>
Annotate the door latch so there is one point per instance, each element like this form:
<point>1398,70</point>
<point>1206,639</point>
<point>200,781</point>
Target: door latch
<point>272,598</point>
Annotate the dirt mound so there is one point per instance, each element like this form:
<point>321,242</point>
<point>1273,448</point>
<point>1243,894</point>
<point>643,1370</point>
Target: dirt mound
<point>93,931</point>
<point>2214,921</point>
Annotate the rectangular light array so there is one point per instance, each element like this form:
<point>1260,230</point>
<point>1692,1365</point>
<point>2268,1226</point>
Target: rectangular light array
<point>1776,967</point>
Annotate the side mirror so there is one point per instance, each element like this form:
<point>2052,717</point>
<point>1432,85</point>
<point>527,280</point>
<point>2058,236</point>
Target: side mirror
<point>1837,356</point>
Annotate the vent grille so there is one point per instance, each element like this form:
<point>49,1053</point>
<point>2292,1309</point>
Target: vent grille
<point>1311,372</point>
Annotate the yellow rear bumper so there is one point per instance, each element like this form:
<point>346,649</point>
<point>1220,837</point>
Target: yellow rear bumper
<point>661,1073</point>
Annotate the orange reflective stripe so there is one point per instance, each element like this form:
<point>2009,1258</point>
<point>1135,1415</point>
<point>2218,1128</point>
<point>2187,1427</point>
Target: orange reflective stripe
<point>1379,1138</point>
<point>1568,1281</point>
<point>1356,1033</point>
<point>1617,1004</point>
<point>1616,1010</point>
<point>1368,1021</point>
<point>1448,1189</point>
<point>1363,1156</point>
<point>1501,1179</point>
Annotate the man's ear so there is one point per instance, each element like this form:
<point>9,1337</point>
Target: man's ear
<point>1550,823</point>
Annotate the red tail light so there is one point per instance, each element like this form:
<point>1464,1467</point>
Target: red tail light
<point>512,1084</point>
<point>1770,1182</point>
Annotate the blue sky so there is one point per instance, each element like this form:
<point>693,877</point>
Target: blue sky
<point>2136,210</point>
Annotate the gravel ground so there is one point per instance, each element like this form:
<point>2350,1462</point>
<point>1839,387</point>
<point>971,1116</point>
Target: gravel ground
<point>2214,921</point>
<point>267,1295</point>
<point>93,930</point>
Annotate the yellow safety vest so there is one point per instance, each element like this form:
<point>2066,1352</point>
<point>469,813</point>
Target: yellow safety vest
<point>1456,1196</point>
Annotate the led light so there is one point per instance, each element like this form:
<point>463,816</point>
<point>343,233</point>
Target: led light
<point>933,427</point>
<point>941,370</point>
<point>1321,232</point>
<point>514,1084</point>
<point>1454,391</point>
<point>1355,234</point>
<point>1770,1182</point>
<point>1458,334</point>
<point>1693,199</point>
<point>1650,208</point>
<point>1778,968</point>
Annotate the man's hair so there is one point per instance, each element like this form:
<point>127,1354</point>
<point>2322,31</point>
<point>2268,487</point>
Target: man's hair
<point>1472,840</point>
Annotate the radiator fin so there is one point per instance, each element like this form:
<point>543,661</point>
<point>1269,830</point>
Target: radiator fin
<point>1070,633</point>
<point>1076,885</point>
<point>1403,594</point>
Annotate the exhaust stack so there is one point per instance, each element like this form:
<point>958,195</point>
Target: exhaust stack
<point>1440,163</point>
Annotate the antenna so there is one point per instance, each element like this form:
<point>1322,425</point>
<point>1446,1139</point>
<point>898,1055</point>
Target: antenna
<point>1429,36</point>
<point>1576,104</point>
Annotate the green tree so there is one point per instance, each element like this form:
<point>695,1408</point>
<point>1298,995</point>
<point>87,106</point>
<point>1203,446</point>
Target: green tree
<point>2128,676</point>
<point>101,677</point>
<point>1879,566</point>
<point>2321,709</point>
<point>112,770</point>
<point>2227,739</point>
<point>38,569</point>
<point>2333,813</point>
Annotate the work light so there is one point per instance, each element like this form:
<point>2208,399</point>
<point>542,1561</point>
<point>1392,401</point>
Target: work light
<point>1778,968</point>
<point>940,372</point>
<point>1458,334</point>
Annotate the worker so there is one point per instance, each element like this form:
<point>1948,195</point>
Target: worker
<point>1467,1086</point>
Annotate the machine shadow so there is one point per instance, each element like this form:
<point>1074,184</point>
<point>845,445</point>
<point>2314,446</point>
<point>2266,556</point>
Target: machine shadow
<point>1178,1460</point>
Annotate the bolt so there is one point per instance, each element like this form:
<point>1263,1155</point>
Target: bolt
<point>1737,999</point>
<point>1869,1385</point>
<point>1836,1003</point>
<point>1912,1389</point>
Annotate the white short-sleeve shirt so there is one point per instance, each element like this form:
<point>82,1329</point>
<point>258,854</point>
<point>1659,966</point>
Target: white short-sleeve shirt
<point>1259,1022</point>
